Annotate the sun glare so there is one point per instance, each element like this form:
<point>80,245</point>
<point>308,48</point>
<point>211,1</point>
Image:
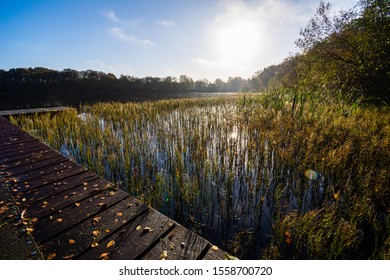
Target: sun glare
<point>237,44</point>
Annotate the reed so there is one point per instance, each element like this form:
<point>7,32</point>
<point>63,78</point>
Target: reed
<point>286,174</point>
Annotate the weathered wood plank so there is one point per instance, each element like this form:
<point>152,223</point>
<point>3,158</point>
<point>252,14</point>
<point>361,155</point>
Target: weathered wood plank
<point>39,193</point>
<point>82,237</point>
<point>67,198</point>
<point>214,254</point>
<point>36,166</point>
<point>63,219</point>
<point>29,156</point>
<point>134,239</point>
<point>29,161</point>
<point>45,174</point>
<point>34,111</point>
<point>179,244</point>
<point>33,146</point>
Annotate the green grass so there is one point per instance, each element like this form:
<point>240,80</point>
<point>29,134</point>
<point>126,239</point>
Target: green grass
<point>233,169</point>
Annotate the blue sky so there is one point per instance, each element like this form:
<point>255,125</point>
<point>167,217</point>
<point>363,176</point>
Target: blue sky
<point>199,38</point>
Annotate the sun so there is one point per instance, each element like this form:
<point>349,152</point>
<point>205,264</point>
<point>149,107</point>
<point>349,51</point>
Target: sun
<point>237,44</point>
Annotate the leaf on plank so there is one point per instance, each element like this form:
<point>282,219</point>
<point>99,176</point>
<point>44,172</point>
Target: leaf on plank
<point>111,243</point>
<point>51,256</point>
<point>104,256</point>
<point>164,255</point>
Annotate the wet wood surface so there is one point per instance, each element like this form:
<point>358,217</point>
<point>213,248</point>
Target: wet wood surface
<point>72,213</point>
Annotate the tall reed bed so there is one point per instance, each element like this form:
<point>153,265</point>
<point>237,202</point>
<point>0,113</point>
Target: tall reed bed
<point>280,175</point>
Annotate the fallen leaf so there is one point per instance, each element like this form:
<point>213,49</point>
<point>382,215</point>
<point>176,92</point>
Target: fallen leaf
<point>119,214</point>
<point>164,255</point>
<point>34,220</point>
<point>85,183</point>
<point>51,256</point>
<point>96,220</point>
<point>138,227</point>
<point>94,244</point>
<point>229,257</point>
<point>95,233</point>
<point>214,248</point>
<point>68,257</point>
<point>111,243</point>
<point>59,220</point>
<point>71,241</point>
<point>104,256</point>
<point>29,229</point>
<point>147,230</point>
<point>111,193</point>
<point>77,204</point>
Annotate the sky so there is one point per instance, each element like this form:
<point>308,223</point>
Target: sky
<point>203,39</point>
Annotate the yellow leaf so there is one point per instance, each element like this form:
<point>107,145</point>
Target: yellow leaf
<point>164,255</point>
<point>77,204</point>
<point>71,241</point>
<point>119,214</point>
<point>104,256</point>
<point>51,256</point>
<point>95,233</point>
<point>94,244</point>
<point>59,220</point>
<point>34,220</point>
<point>68,257</point>
<point>111,243</point>
<point>138,227</point>
<point>214,248</point>
<point>336,196</point>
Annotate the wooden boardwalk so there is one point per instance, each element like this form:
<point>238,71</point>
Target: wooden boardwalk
<point>71,213</point>
<point>33,111</point>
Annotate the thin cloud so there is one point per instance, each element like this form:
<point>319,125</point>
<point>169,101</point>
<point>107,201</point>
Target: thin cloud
<point>167,23</point>
<point>111,16</point>
<point>120,34</point>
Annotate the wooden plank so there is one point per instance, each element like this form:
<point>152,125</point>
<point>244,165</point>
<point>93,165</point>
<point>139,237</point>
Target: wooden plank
<point>13,148</point>
<point>29,156</point>
<point>37,166</point>
<point>133,241</point>
<point>33,111</point>
<point>180,244</point>
<point>14,136</point>
<point>48,227</point>
<point>43,174</point>
<point>67,198</point>
<point>80,238</point>
<point>214,254</point>
<point>39,193</point>
<point>35,157</point>
<point>60,172</point>
<point>21,149</point>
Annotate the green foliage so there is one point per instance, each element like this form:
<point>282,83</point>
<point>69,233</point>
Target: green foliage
<point>350,52</point>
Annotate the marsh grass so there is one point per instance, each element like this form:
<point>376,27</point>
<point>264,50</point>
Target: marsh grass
<point>287,174</point>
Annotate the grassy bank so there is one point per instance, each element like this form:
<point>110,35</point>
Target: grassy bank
<point>278,175</point>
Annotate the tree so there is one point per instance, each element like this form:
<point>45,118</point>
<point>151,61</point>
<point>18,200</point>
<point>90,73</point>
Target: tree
<point>349,52</point>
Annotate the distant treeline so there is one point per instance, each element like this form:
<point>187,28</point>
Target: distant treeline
<point>24,87</point>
